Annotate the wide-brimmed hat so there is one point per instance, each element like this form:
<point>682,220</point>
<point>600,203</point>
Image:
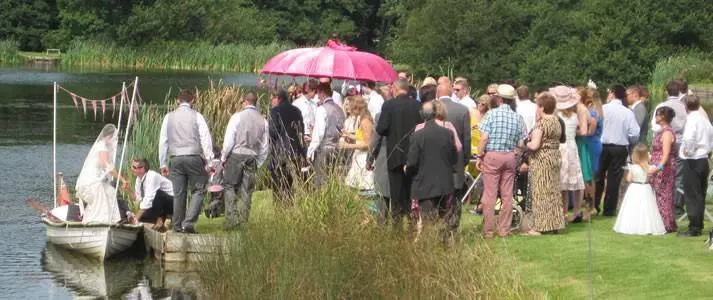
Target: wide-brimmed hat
<point>506,91</point>
<point>565,96</point>
<point>429,81</point>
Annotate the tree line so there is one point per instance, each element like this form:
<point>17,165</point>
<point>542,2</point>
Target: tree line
<point>537,42</point>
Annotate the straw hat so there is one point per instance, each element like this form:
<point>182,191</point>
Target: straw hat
<point>429,81</point>
<point>506,91</point>
<point>565,96</point>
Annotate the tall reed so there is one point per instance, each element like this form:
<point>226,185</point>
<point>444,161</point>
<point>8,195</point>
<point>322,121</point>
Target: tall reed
<point>327,246</point>
<point>695,68</point>
<point>172,56</point>
<point>9,52</point>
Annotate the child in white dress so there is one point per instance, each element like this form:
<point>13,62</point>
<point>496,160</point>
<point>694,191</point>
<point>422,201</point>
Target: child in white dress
<point>639,213</point>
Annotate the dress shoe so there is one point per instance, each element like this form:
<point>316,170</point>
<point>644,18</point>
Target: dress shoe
<point>688,233</point>
<point>189,230</point>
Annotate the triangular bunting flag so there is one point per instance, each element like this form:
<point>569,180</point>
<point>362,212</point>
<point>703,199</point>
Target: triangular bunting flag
<point>113,106</point>
<point>76,102</point>
<point>94,107</point>
<point>84,106</point>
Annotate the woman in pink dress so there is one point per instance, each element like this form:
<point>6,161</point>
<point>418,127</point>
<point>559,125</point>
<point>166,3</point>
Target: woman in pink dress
<point>663,169</point>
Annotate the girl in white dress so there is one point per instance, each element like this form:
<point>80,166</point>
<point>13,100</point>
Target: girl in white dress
<point>639,213</point>
<point>357,136</point>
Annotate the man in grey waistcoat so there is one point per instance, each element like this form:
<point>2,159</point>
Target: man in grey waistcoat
<point>245,148</point>
<point>185,147</point>
<point>328,124</point>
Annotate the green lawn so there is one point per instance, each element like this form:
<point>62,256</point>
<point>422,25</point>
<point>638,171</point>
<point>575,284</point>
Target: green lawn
<point>39,55</point>
<point>622,267</point>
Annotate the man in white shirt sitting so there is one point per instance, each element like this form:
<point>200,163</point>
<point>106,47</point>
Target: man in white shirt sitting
<point>525,107</point>
<point>695,149</point>
<point>155,193</point>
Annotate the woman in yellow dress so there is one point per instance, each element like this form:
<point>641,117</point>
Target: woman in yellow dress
<point>477,114</point>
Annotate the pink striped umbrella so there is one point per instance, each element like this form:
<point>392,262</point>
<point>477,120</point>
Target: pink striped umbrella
<point>335,61</point>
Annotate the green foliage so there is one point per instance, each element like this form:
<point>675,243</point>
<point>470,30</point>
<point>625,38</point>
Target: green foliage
<point>173,55</point>
<point>8,52</point>
<point>327,246</point>
<point>695,68</point>
<point>26,22</point>
<point>541,42</point>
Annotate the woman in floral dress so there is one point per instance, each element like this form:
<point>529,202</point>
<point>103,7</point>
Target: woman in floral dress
<point>664,173</point>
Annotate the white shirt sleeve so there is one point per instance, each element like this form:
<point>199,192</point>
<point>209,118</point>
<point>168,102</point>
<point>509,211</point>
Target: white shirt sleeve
<point>688,145</point>
<point>337,97</point>
<point>633,131</point>
<point>320,124</point>
<point>264,146</point>
<point>229,139</point>
<point>151,186</point>
<point>206,139</point>
<point>163,143</point>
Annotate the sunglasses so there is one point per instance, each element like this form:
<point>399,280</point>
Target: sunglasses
<point>492,93</point>
<point>136,167</point>
<point>457,90</point>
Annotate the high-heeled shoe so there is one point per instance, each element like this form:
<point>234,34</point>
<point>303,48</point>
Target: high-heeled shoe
<point>577,219</point>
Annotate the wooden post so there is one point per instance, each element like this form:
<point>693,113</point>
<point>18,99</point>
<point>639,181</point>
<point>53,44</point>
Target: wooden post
<point>58,191</point>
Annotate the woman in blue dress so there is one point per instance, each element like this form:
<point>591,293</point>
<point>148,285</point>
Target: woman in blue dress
<point>594,103</point>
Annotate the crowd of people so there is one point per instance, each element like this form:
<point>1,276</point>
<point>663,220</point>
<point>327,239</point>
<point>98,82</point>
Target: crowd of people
<point>418,150</point>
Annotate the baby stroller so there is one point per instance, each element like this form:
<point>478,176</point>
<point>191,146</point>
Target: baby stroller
<point>475,192</point>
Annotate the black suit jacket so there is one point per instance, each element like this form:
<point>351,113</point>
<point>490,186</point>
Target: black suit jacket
<point>399,117</point>
<point>431,160</point>
<point>286,134</point>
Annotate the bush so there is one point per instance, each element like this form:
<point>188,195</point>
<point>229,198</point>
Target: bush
<point>9,52</point>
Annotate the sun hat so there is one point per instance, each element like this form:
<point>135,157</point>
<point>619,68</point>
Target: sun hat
<point>429,81</point>
<point>565,96</point>
<point>506,91</point>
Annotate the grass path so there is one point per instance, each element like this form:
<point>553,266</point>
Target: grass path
<point>623,267</point>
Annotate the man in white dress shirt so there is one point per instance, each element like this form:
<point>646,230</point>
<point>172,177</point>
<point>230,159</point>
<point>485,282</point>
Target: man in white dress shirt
<point>245,149</point>
<point>525,107</point>
<point>461,89</point>
<point>329,121</point>
<point>695,150</point>
<point>184,137</point>
<point>336,96</point>
<point>619,130</point>
<point>307,106</point>
<point>154,192</point>
<point>375,100</point>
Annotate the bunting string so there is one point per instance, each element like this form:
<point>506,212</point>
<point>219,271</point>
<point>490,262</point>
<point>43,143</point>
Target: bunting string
<point>78,100</point>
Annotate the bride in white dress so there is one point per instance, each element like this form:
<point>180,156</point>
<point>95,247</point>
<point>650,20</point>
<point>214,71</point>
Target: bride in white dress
<point>357,136</point>
<point>94,184</point>
<point>639,213</point>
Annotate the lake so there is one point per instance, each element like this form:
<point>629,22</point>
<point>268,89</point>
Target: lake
<point>30,268</point>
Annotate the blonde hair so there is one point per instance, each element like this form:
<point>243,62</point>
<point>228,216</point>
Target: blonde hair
<point>440,109</point>
<point>595,101</point>
<point>567,112</point>
<point>358,107</point>
<point>640,156</point>
<point>486,100</point>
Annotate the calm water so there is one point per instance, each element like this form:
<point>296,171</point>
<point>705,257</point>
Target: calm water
<point>29,269</point>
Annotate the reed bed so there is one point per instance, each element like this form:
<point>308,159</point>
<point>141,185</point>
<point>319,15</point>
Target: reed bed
<point>327,245</point>
<point>172,56</point>
<point>695,68</point>
<point>9,52</point>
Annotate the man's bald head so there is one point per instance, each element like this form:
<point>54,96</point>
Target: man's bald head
<point>444,90</point>
<point>444,80</point>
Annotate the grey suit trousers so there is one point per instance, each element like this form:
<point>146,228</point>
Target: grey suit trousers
<point>240,170</point>
<point>184,171</point>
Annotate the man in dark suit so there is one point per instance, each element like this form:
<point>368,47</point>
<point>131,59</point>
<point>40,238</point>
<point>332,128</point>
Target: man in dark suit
<point>398,119</point>
<point>431,159</point>
<point>287,150</point>
<point>459,116</point>
<point>634,101</point>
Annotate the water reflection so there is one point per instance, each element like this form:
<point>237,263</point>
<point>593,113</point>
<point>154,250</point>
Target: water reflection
<point>120,278</point>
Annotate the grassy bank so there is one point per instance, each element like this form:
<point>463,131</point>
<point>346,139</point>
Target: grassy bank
<point>172,56</point>
<point>327,246</point>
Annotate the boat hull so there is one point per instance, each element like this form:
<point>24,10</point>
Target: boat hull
<point>100,241</point>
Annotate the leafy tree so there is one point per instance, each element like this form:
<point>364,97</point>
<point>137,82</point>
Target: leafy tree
<point>26,21</point>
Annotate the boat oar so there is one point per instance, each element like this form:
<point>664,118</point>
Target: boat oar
<point>36,205</point>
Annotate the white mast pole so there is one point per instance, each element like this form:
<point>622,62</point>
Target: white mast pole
<point>54,142</point>
<point>121,109</point>
<point>126,134</point>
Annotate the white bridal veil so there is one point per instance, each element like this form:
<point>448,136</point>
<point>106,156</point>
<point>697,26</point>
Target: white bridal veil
<point>94,184</point>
